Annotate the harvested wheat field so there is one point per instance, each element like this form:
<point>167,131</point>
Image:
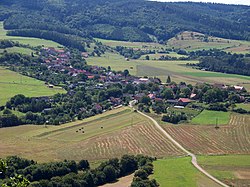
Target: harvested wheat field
<point>233,138</point>
<point>105,136</point>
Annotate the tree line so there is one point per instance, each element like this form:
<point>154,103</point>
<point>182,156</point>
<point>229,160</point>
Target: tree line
<point>77,174</point>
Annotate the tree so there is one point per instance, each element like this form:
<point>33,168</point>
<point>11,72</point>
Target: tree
<point>110,173</point>
<point>142,174</point>
<point>125,72</point>
<point>168,79</point>
<point>147,57</point>
<point>145,100</point>
<point>83,164</point>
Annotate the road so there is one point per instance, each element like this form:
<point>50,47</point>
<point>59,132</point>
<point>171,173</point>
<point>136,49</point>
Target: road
<point>194,159</point>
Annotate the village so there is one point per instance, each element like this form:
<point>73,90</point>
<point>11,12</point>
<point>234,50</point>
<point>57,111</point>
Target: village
<point>173,94</point>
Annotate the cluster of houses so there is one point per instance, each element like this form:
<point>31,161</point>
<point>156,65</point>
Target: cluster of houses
<point>59,60</point>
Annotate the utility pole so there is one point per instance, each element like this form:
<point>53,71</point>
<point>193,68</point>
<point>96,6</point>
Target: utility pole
<point>216,125</point>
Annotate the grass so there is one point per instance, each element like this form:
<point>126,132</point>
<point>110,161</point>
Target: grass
<point>245,106</point>
<point>178,172</point>
<point>27,40</point>
<point>108,135</point>
<point>135,45</point>
<point>185,41</point>
<point>17,113</point>
<point>233,169</point>
<point>158,55</point>
<point>12,83</point>
<point>161,69</point>
<point>208,117</point>
<point>21,50</point>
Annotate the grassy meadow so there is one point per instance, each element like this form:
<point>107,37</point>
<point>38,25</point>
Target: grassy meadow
<point>12,83</point>
<point>135,45</point>
<point>176,69</point>
<point>178,172</point>
<point>245,106</point>
<point>186,41</point>
<point>21,50</point>
<point>26,40</point>
<point>208,117</point>
<point>232,169</point>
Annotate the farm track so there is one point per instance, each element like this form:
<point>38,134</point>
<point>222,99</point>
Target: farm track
<point>194,159</point>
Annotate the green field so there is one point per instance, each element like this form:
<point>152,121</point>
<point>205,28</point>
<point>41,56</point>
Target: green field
<point>27,40</point>
<point>12,83</point>
<point>245,106</point>
<point>232,169</point>
<point>208,117</point>
<point>176,69</point>
<point>179,172</point>
<point>185,41</point>
<point>158,55</point>
<point>22,50</point>
<point>135,45</point>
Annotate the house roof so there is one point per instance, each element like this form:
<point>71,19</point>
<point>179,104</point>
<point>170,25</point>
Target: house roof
<point>184,100</point>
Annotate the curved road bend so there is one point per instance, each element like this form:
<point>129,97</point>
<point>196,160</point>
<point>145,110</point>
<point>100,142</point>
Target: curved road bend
<point>194,159</point>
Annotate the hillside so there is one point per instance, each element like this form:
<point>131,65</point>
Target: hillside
<point>127,20</point>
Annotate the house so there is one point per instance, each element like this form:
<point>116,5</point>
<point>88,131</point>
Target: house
<point>85,55</point>
<point>139,96</point>
<point>193,96</point>
<point>172,101</point>
<point>184,101</point>
<point>151,96</point>
<point>239,88</point>
<point>50,86</point>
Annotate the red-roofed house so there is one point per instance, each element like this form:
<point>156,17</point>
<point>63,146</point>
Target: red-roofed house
<point>184,101</point>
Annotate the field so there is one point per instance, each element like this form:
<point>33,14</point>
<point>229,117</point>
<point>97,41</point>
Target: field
<point>176,69</point>
<point>134,45</point>
<point>245,106</point>
<point>188,42</point>
<point>27,40</point>
<point>158,55</point>
<point>209,117</point>
<point>233,138</point>
<point>232,169</point>
<point>22,50</point>
<point>12,83</point>
<point>108,135</point>
<point>178,172</point>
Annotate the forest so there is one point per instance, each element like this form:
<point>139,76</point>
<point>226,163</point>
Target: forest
<point>127,20</point>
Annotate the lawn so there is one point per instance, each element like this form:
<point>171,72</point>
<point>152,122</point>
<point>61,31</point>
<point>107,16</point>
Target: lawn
<point>27,40</point>
<point>232,169</point>
<point>209,117</point>
<point>12,83</point>
<point>178,172</point>
<point>108,135</point>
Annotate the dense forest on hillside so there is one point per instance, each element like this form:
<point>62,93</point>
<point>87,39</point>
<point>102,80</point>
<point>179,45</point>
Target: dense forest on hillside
<point>126,19</point>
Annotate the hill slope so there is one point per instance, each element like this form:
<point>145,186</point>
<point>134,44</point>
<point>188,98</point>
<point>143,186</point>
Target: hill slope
<point>127,19</point>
